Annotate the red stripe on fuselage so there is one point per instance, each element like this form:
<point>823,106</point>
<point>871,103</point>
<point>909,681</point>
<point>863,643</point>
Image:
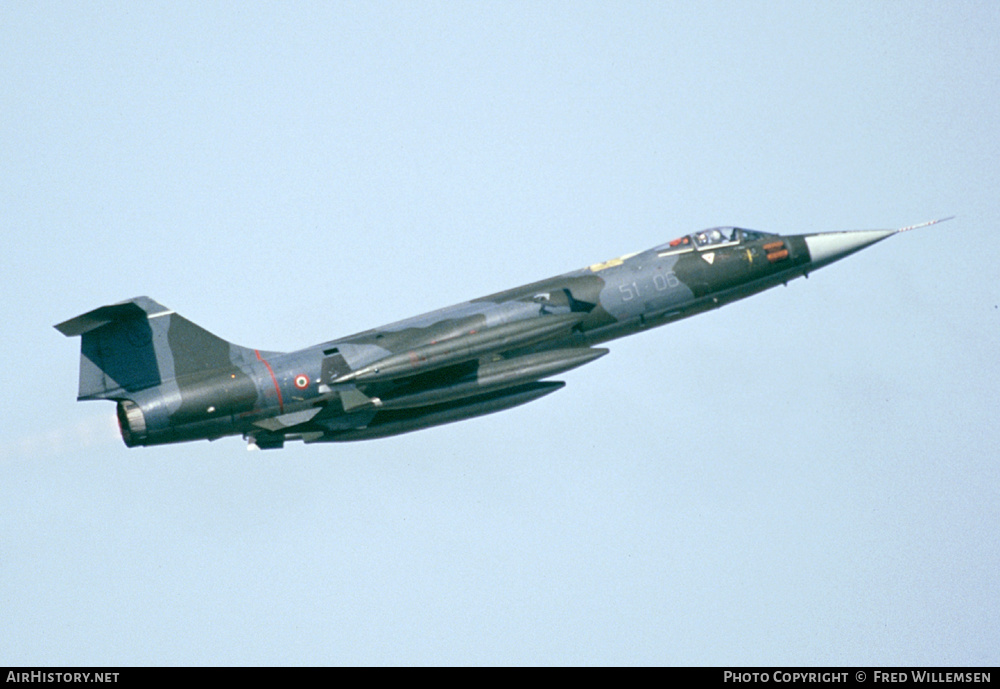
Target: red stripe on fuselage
<point>281,405</point>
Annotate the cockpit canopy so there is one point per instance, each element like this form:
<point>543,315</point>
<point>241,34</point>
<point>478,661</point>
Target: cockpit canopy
<point>714,236</point>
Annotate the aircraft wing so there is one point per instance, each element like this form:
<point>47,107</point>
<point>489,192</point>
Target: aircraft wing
<point>479,371</point>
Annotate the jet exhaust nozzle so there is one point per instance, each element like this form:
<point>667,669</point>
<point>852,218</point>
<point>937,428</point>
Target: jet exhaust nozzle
<point>131,423</point>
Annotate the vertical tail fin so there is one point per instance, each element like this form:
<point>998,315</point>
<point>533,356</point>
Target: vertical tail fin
<point>139,343</point>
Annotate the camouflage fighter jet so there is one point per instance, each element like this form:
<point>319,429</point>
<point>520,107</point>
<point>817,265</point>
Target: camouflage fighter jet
<point>173,381</point>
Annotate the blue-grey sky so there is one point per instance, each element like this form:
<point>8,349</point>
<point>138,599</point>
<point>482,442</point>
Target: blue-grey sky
<point>806,477</point>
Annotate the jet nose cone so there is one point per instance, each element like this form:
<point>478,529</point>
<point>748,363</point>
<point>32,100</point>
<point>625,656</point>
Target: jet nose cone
<point>827,247</point>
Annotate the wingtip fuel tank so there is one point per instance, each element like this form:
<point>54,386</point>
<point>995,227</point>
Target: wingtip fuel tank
<point>173,381</point>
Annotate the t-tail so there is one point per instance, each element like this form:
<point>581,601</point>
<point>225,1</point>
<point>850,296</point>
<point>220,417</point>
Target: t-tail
<point>160,368</point>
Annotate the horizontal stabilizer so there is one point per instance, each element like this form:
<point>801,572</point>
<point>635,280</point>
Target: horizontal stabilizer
<point>140,307</point>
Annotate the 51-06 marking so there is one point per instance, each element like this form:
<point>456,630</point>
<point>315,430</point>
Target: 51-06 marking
<point>661,282</point>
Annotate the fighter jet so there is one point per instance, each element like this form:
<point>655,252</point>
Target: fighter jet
<point>173,381</point>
